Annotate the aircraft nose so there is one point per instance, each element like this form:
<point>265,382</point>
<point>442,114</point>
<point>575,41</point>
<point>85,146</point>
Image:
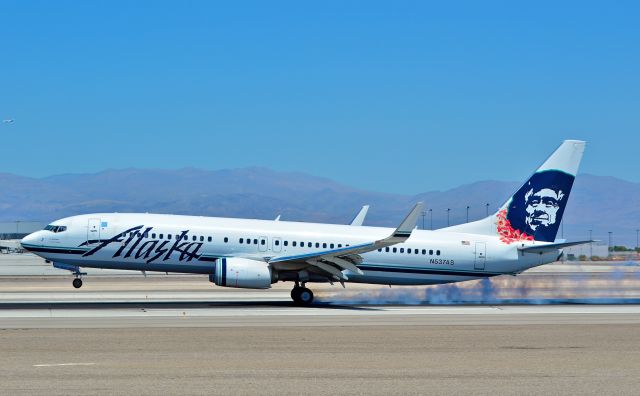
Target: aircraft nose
<point>31,240</point>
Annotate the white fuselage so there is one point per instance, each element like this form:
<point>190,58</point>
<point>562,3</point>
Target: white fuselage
<point>191,244</point>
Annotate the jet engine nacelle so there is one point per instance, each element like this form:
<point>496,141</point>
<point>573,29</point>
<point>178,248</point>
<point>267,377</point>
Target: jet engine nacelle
<point>242,273</point>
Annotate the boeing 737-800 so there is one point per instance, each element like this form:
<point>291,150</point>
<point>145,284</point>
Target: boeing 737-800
<point>255,254</point>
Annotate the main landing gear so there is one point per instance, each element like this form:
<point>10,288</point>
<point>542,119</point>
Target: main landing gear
<point>77,283</point>
<point>301,295</point>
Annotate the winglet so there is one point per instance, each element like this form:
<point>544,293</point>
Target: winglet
<point>359,219</point>
<point>409,223</point>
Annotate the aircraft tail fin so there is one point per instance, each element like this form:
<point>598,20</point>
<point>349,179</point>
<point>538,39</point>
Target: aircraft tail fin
<point>535,211</point>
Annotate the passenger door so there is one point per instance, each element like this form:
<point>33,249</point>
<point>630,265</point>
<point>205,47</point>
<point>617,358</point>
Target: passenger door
<point>93,231</point>
<point>481,255</point>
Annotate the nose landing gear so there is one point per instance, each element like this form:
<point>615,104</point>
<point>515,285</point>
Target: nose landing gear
<point>301,295</point>
<point>77,282</point>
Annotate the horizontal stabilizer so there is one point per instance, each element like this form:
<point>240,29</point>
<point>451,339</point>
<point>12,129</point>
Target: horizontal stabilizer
<point>551,246</point>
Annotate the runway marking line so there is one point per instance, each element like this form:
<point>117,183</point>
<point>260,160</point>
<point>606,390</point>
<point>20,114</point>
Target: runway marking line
<point>62,364</point>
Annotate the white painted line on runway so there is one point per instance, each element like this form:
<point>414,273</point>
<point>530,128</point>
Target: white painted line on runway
<point>63,364</point>
<point>321,312</point>
<point>138,296</point>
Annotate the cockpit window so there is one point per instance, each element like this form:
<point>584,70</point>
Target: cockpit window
<point>55,229</point>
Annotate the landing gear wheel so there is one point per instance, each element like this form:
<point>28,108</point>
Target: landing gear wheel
<point>295,294</point>
<point>77,283</point>
<point>305,296</point>
<point>302,295</point>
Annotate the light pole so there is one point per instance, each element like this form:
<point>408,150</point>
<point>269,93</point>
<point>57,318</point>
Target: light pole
<point>431,218</point>
<point>467,213</point>
<point>610,246</point>
<point>487,206</point>
<point>590,244</point>
<point>448,210</point>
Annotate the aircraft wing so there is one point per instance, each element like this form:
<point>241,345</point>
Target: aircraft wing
<point>550,247</point>
<point>334,261</point>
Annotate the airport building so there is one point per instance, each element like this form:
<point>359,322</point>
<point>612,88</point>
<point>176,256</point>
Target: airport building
<point>596,249</point>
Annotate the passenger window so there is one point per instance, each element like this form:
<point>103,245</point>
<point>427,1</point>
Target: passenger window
<point>309,244</point>
<point>339,245</point>
<point>430,252</point>
<point>209,239</point>
<point>409,251</point>
<point>293,243</point>
<point>262,241</point>
<point>437,252</point>
<point>248,241</point>
<point>286,243</point>
<point>277,242</point>
<point>153,236</point>
<point>416,251</point>
<point>226,239</point>
<point>317,244</point>
<point>380,250</point>
<point>395,250</point>
<point>331,246</point>
<point>401,250</point>
<point>386,249</point>
<point>194,238</point>
<point>201,238</point>
<point>168,236</point>
<point>324,245</point>
<point>424,251</point>
<point>241,240</point>
<point>255,241</point>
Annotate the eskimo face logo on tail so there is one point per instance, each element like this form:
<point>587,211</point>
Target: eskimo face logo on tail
<point>535,211</point>
<point>542,207</point>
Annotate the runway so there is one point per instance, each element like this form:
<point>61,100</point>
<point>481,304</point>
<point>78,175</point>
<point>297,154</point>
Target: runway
<point>150,358</point>
<point>276,315</point>
<point>181,335</point>
<point>191,301</point>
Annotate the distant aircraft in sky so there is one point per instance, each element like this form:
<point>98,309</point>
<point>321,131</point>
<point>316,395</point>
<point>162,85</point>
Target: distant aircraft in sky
<point>7,121</point>
<point>255,254</point>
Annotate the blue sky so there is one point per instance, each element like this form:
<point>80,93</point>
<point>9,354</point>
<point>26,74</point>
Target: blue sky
<point>394,96</point>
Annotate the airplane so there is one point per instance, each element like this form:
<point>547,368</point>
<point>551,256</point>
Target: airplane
<point>255,254</point>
